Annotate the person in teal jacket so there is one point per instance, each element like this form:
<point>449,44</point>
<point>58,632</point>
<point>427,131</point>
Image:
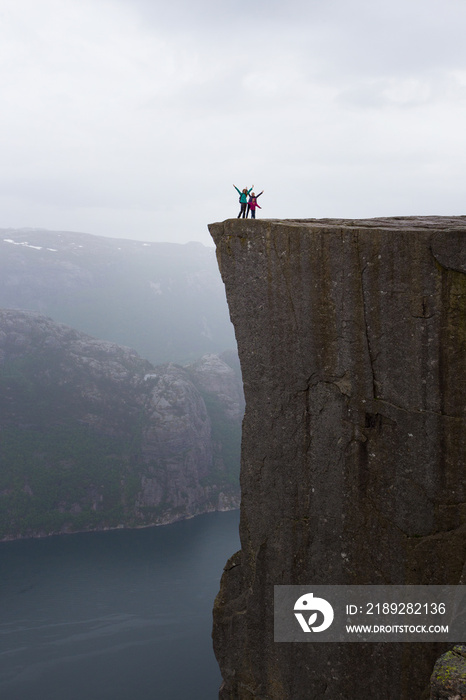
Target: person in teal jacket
<point>243,200</point>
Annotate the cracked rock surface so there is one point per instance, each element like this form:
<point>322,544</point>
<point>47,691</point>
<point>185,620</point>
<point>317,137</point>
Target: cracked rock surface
<point>352,342</point>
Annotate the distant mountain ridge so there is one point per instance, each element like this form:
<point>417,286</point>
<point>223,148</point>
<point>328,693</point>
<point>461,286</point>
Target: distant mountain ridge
<point>164,299</point>
<point>92,436</point>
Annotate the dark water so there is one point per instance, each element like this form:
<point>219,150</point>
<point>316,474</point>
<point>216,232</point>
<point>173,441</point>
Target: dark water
<point>122,615</point>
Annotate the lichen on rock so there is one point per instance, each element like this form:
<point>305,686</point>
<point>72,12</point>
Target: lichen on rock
<point>448,680</point>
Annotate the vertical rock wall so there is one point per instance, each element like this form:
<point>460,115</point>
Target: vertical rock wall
<point>352,341</point>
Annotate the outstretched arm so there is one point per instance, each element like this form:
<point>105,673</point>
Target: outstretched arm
<point>258,195</point>
<point>239,191</point>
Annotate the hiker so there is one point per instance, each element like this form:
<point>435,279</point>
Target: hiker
<point>243,200</point>
<point>252,204</point>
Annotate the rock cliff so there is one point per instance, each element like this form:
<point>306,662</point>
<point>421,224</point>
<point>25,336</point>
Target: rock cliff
<point>93,436</point>
<point>352,342</point>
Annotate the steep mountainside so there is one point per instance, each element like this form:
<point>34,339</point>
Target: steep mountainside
<point>352,342</point>
<point>165,300</point>
<point>92,436</point>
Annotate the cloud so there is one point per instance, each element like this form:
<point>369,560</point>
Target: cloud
<point>134,117</point>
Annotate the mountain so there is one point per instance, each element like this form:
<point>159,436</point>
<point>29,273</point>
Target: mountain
<point>92,436</point>
<point>164,299</point>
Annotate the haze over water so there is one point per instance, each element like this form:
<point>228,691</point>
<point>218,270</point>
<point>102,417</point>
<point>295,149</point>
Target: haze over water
<point>120,615</point>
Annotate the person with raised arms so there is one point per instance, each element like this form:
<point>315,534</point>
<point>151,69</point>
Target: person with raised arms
<point>252,204</point>
<point>243,200</point>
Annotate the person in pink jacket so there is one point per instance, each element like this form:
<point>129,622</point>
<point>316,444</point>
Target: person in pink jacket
<point>252,204</point>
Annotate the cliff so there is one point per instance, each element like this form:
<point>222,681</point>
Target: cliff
<point>352,342</point>
<point>93,436</point>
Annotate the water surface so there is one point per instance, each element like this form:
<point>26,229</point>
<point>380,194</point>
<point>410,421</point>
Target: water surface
<point>121,615</point>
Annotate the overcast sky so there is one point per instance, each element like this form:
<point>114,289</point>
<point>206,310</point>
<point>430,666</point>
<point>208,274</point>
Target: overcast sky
<point>133,118</point>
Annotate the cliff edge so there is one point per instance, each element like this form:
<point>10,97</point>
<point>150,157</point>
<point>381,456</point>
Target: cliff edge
<point>352,342</point>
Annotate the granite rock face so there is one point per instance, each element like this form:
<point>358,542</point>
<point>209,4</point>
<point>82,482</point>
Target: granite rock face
<point>352,342</point>
<point>217,377</point>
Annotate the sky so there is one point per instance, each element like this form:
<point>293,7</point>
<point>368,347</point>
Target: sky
<point>134,118</point>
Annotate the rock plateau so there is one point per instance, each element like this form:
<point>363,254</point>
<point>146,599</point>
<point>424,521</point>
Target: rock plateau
<point>352,342</point>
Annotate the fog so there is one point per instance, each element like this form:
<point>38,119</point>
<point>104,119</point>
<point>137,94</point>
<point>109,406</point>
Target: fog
<point>134,118</point>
